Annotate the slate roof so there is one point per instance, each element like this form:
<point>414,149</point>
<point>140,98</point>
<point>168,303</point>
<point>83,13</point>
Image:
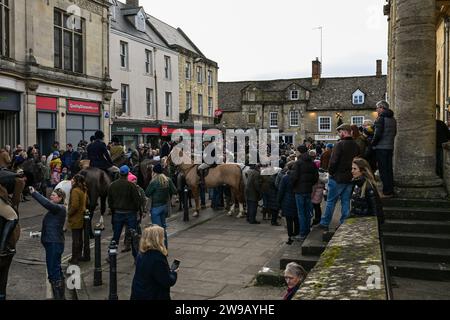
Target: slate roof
<point>172,35</point>
<point>331,94</point>
<point>122,23</point>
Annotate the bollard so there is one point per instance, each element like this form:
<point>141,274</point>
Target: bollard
<point>112,252</point>
<point>86,242</point>
<point>185,204</point>
<point>98,256</point>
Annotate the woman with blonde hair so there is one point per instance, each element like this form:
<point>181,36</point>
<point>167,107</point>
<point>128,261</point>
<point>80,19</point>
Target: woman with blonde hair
<point>365,198</point>
<point>160,190</point>
<point>153,277</point>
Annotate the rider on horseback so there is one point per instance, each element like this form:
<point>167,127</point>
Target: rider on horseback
<point>99,156</point>
<point>204,166</point>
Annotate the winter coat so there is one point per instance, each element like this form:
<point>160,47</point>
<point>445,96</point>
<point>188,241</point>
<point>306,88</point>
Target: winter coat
<point>153,278</point>
<point>252,188</point>
<point>53,223</point>
<point>362,143</point>
<point>123,196</point>
<point>385,131</point>
<point>366,202</point>
<point>160,195</point>
<point>77,208</point>
<point>269,191</point>
<point>340,168</point>
<point>98,155</point>
<point>325,160</point>
<point>118,156</point>
<point>5,159</point>
<point>304,175</point>
<point>286,197</point>
<point>67,159</point>
<point>318,188</point>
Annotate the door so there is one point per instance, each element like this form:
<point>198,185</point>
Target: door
<point>45,141</point>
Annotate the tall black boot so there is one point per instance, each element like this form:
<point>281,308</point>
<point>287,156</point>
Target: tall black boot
<point>8,229</point>
<point>58,290</point>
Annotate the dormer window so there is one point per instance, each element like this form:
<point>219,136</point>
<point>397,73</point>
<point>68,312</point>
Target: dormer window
<point>294,95</point>
<point>251,96</point>
<point>358,97</point>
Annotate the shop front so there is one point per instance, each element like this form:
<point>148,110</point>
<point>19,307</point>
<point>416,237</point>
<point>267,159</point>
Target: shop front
<point>46,108</point>
<point>10,106</point>
<point>83,119</point>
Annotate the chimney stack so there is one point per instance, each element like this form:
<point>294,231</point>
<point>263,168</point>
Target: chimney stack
<point>316,72</point>
<point>133,3</point>
<point>379,68</point>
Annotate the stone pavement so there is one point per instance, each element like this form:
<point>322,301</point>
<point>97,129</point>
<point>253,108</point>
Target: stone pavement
<point>219,255</point>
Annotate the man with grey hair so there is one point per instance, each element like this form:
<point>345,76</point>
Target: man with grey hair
<point>383,144</point>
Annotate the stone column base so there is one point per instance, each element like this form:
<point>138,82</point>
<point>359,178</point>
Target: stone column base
<point>414,187</point>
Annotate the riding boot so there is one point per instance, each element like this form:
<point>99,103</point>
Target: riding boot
<point>8,229</point>
<point>58,290</point>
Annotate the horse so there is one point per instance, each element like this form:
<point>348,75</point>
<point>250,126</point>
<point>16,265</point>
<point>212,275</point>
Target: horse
<point>97,182</point>
<point>229,174</point>
<point>5,262</point>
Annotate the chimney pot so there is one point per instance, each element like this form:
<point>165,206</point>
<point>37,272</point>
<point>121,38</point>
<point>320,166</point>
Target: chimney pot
<point>133,3</point>
<point>379,69</point>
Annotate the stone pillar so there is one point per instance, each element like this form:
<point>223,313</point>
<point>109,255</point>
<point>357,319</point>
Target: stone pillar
<point>30,115</point>
<point>415,100</point>
<point>61,123</point>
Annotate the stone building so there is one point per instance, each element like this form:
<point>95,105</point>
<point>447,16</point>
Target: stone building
<point>418,80</point>
<point>54,81</point>
<point>198,75</point>
<point>145,71</point>
<point>302,108</point>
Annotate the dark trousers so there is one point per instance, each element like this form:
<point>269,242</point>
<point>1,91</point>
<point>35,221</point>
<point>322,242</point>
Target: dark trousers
<point>384,159</point>
<point>252,207</point>
<point>317,213</point>
<point>53,254</point>
<point>119,220</point>
<point>77,244</point>
<point>293,227</point>
<point>274,214</point>
<point>217,200</point>
<point>202,195</point>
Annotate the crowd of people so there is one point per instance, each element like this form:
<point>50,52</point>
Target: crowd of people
<point>309,175</point>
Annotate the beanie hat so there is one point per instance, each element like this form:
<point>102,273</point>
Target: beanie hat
<point>158,168</point>
<point>131,177</point>
<point>124,170</point>
<point>330,146</point>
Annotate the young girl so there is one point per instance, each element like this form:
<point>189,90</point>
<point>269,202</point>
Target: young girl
<point>52,238</point>
<point>365,198</point>
<point>55,169</point>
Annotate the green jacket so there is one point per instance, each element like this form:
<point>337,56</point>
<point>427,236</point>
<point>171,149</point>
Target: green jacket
<point>123,196</point>
<point>160,195</point>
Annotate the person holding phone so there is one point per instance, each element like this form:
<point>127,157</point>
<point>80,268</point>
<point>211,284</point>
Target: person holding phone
<point>153,277</point>
<point>52,237</point>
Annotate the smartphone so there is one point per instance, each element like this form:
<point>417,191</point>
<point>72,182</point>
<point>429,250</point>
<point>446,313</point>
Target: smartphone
<point>175,265</point>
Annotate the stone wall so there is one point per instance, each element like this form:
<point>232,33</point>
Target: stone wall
<point>353,256</point>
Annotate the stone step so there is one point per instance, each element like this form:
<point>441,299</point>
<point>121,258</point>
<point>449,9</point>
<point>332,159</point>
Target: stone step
<point>415,203</point>
<point>420,270</point>
<point>434,240</point>
<point>404,213</point>
<point>327,235</point>
<point>424,254</point>
<point>416,226</point>
<point>312,247</point>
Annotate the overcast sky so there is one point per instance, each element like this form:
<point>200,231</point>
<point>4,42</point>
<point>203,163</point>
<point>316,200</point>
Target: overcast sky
<point>274,39</point>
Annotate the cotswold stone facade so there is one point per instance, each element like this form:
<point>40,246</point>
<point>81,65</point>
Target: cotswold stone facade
<point>307,108</point>
<point>54,76</point>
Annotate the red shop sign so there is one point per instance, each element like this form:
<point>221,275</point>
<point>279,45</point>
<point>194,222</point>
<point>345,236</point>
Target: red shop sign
<point>164,131</point>
<point>218,113</point>
<point>84,107</point>
<point>46,103</point>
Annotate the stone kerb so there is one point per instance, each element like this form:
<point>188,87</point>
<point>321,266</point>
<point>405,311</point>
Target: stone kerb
<point>351,267</point>
<point>446,149</point>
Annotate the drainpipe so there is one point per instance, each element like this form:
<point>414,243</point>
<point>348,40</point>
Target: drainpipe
<point>156,85</point>
<point>446,66</point>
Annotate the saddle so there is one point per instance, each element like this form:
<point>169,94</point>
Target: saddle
<point>206,170</point>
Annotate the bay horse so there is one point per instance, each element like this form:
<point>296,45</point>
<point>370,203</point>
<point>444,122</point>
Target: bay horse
<point>97,182</point>
<point>229,174</point>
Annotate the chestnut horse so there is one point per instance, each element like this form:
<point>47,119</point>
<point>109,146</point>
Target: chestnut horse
<point>229,174</point>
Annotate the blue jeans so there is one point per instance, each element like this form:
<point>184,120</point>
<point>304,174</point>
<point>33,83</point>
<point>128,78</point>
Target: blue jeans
<point>119,220</point>
<point>53,254</point>
<point>336,191</point>
<point>158,216</point>
<point>304,210</point>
